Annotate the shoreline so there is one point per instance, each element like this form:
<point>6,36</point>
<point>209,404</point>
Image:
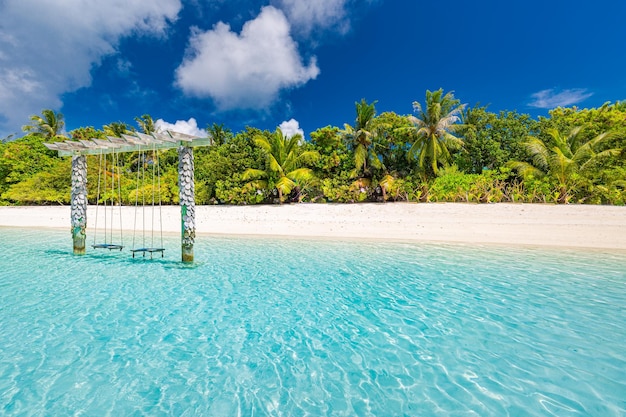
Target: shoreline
<point>547,225</point>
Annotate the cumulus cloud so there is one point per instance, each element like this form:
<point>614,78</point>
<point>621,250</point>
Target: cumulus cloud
<point>49,47</point>
<point>246,70</point>
<point>189,127</point>
<point>551,98</point>
<point>291,128</point>
<point>307,15</point>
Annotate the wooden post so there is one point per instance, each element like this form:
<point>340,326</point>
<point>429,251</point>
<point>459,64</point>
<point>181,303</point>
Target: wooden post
<point>187,201</point>
<point>79,203</point>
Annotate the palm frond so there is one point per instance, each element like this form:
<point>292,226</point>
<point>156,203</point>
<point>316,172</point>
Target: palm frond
<point>538,151</point>
<point>375,161</point>
<point>524,169</point>
<point>364,114</point>
<point>601,140</point>
<point>417,107</point>
<point>388,181</point>
<point>285,185</point>
<point>599,158</point>
<point>415,149</point>
<point>452,142</point>
<point>560,165</point>
<point>360,156</point>
<point>253,174</point>
<point>292,143</point>
<point>262,142</point>
<point>308,157</point>
<point>301,175</point>
<point>574,138</point>
<point>274,165</point>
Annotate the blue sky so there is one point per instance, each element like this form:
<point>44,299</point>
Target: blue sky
<point>263,63</point>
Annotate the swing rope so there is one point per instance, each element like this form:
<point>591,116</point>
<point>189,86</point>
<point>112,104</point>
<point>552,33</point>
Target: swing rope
<point>152,215</point>
<point>155,161</point>
<point>156,176</point>
<point>102,185</point>
<point>160,205</point>
<point>104,198</point>
<point>119,194</point>
<point>139,161</point>
<point>97,199</point>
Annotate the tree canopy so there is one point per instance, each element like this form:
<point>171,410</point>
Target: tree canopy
<point>444,151</point>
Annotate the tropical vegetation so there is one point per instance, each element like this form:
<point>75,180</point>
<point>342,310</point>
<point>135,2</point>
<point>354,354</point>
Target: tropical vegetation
<point>444,151</point>
<point>284,169</point>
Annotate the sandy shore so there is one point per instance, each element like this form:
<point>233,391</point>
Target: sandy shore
<point>600,227</point>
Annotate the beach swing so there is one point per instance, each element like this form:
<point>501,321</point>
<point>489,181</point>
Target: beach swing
<point>155,178</point>
<point>104,169</point>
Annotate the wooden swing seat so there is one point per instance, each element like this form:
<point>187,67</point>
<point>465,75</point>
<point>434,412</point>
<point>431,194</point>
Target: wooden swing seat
<point>109,246</point>
<point>148,250</point>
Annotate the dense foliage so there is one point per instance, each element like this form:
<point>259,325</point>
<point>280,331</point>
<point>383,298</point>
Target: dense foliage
<point>445,151</point>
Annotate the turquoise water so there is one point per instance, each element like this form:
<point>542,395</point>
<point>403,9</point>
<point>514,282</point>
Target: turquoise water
<point>267,327</point>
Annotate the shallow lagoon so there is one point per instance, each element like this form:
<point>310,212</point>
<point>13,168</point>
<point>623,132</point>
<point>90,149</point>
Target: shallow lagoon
<point>294,327</point>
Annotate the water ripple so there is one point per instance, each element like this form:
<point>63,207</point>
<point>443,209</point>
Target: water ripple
<point>298,328</point>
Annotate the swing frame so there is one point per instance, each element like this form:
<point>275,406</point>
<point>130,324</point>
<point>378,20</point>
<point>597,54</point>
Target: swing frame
<point>167,139</point>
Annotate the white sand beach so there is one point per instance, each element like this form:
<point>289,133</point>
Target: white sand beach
<point>599,227</point>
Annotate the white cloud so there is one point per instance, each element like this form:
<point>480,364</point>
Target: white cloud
<point>307,15</point>
<point>290,128</point>
<point>246,70</point>
<point>49,47</point>
<point>551,98</point>
<point>189,127</point>
<point>123,67</point>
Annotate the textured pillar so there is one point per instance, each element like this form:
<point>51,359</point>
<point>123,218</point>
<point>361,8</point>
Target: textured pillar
<point>79,203</point>
<point>187,201</point>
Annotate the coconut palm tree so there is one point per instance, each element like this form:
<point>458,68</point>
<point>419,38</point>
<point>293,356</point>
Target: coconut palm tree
<point>117,129</point>
<point>146,124</point>
<point>433,131</point>
<point>49,125</point>
<point>360,139</point>
<point>566,159</point>
<point>284,163</point>
<point>219,134</point>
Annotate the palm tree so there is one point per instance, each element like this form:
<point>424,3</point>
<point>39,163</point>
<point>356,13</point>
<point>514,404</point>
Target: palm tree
<point>284,160</point>
<point>8,138</point>
<point>117,129</point>
<point>360,137</point>
<point>49,125</point>
<point>567,159</point>
<point>146,124</point>
<point>219,134</point>
<point>434,129</point>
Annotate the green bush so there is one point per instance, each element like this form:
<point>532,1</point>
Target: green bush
<point>338,191</point>
<point>235,192</point>
<point>41,188</point>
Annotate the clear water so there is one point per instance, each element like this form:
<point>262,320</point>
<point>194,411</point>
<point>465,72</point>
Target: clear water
<point>264,327</point>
